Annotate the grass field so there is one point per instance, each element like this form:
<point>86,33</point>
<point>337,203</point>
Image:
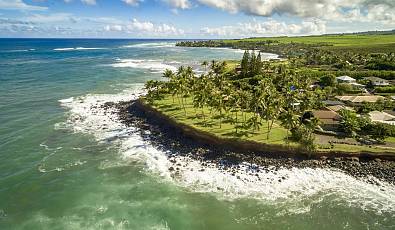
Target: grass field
<point>360,42</point>
<point>208,121</point>
<point>336,40</point>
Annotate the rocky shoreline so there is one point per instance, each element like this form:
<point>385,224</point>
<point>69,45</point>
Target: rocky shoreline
<point>166,137</point>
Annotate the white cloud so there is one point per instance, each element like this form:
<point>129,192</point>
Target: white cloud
<point>182,4</point>
<point>89,2</point>
<point>117,28</point>
<point>51,18</point>
<point>18,5</point>
<point>145,28</point>
<point>332,10</point>
<point>132,2</point>
<point>267,28</point>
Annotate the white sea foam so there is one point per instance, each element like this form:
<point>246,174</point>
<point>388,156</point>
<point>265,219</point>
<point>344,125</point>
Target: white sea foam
<point>89,48</point>
<point>151,45</point>
<point>297,189</point>
<point>265,56</point>
<point>155,66</point>
<point>63,49</point>
<point>78,48</point>
<point>67,100</point>
<point>15,51</point>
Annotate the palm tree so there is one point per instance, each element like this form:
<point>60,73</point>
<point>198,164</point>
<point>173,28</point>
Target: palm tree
<point>168,74</point>
<point>205,64</point>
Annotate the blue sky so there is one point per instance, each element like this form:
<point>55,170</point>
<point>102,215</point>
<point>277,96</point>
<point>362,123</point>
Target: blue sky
<point>191,18</point>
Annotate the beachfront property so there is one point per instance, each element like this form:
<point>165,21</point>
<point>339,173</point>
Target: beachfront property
<point>337,108</point>
<point>357,100</point>
<point>382,117</point>
<point>376,81</point>
<point>329,120</point>
<point>332,102</point>
<point>346,79</point>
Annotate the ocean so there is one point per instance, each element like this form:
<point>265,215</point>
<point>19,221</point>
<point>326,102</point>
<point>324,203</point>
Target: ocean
<point>65,164</point>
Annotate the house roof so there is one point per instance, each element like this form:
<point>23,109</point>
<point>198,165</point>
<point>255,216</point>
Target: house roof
<point>375,79</point>
<point>332,102</point>
<point>357,84</point>
<point>391,112</point>
<point>359,99</point>
<point>381,116</point>
<point>327,116</point>
<point>345,78</point>
<point>337,108</point>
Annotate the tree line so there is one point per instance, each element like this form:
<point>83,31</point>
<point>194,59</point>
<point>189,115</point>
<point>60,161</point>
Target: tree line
<point>280,97</point>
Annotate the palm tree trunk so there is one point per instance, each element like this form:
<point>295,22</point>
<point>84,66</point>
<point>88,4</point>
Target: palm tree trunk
<point>236,122</point>
<point>220,118</point>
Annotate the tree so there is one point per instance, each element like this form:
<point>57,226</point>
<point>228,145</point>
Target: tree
<point>245,63</point>
<point>350,123</point>
<point>328,80</point>
<point>205,64</point>
<point>269,103</point>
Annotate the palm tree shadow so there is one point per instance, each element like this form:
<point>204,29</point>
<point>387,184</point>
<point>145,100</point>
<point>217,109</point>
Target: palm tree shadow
<point>237,134</point>
<point>206,123</point>
<point>171,109</point>
<point>165,106</point>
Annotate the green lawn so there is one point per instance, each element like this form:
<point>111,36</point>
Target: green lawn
<point>336,40</point>
<point>210,122</point>
<point>362,42</point>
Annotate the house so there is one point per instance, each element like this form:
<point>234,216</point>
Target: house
<point>357,85</point>
<point>332,102</point>
<point>356,100</point>
<point>238,69</point>
<point>345,79</point>
<point>376,81</point>
<point>337,108</point>
<point>329,119</point>
<point>382,117</point>
<point>391,112</point>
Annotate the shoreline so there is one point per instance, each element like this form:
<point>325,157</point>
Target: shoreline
<point>167,135</point>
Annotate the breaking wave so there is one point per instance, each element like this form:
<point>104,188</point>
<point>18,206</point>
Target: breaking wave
<point>151,45</point>
<point>78,48</point>
<point>301,187</point>
<point>154,66</point>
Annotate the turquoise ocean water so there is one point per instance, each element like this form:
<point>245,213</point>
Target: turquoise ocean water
<point>64,164</point>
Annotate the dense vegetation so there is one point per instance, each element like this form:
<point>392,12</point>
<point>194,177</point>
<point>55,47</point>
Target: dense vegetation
<point>371,53</point>
<point>260,95</point>
<point>279,97</point>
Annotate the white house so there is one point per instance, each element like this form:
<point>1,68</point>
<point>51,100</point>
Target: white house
<point>376,81</point>
<point>382,117</point>
<point>345,79</point>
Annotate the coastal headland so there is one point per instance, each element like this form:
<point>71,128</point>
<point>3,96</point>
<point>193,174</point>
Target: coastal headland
<point>165,133</point>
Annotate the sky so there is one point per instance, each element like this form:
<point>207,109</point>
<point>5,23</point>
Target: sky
<point>191,18</point>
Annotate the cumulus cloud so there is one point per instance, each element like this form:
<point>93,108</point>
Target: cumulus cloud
<point>51,18</point>
<point>132,2</point>
<point>182,4</point>
<point>267,28</point>
<point>334,10</point>
<point>19,5</point>
<point>88,2</point>
<point>146,28</point>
